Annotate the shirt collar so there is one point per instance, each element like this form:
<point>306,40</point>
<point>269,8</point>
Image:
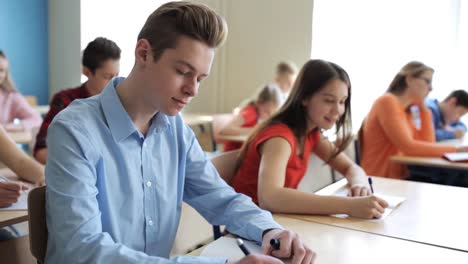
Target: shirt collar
<point>118,120</point>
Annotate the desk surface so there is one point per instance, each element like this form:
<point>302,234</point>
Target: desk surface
<point>21,137</point>
<point>197,119</point>
<point>42,109</point>
<point>429,162</point>
<point>11,217</point>
<point>236,138</point>
<point>341,245</point>
<point>437,162</point>
<point>432,214</point>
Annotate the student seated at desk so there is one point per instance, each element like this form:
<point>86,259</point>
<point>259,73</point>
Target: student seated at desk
<point>121,163</point>
<point>275,158</point>
<point>399,123</point>
<point>447,114</point>
<point>283,80</point>
<point>23,166</point>
<point>100,64</point>
<point>266,103</point>
<point>15,112</point>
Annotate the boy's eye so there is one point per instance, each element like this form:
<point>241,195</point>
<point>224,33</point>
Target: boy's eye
<point>182,72</point>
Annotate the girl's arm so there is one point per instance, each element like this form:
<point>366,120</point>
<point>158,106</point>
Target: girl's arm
<point>355,175</point>
<point>273,196</point>
<point>19,162</point>
<point>234,127</point>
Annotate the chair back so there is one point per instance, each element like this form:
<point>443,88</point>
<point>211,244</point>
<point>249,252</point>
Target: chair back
<point>359,143</point>
<point>225,164</point>
<point>37,223</point>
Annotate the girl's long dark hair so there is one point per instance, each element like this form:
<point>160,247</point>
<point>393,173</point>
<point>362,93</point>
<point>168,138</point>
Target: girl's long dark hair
<point>314,75</point>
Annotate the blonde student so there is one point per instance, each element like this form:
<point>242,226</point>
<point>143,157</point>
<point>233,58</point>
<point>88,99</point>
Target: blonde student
<point>275,158</point>
<point>263,106</point>
<point>15,111</point>
<point>399,123</point>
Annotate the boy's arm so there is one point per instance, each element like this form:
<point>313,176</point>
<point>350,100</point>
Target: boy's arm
<point>215,200</point>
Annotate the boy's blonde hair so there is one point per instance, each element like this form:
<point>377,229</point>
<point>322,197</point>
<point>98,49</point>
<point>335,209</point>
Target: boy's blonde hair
<point>166,24</point>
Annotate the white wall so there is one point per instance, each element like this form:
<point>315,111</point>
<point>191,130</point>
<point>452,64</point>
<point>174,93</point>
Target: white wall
<point>261,34</point>
<point>64,45</point>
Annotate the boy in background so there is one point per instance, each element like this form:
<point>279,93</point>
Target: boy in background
<point>100,64</point>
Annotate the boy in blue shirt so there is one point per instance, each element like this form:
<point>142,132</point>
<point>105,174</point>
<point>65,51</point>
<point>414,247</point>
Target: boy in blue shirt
<point>121,163</point>
<point>446,115</point>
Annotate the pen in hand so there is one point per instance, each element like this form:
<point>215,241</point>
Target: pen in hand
<point>275,244</point>
<point>241,245</point>
<point>370,184</point>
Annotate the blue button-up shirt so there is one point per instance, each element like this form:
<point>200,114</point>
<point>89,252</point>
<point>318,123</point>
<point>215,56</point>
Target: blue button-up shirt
<point>114,195</point>
<point>439,122</point>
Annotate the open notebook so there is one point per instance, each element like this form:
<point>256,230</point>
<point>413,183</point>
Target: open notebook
<point>227,247</point>
<point>393,203</point>
<point>456,156</point>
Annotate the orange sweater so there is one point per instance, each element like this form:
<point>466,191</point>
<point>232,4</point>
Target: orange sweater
<point>389,130</point>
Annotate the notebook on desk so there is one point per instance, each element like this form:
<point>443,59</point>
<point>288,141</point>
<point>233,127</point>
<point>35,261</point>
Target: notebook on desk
<point>456,156</point>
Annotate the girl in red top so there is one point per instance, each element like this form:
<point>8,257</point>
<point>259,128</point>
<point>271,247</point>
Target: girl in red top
<point>266,103</point>
<point>274,159</point>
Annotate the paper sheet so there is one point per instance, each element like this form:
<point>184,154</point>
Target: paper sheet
<point>227,247</point>
<point>22,203</point>
<point>393,202</point>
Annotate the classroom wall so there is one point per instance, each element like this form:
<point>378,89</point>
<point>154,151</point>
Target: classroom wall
<point>23,37</point>
<point>64,45</point>
<point>253,48</point>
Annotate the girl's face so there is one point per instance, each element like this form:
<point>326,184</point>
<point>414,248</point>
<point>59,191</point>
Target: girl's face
<point>266,109</point>
<point>419,87</point>
<point>326,107</point>
<point>3,69</point>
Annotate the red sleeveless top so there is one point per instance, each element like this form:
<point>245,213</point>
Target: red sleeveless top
<point>246,179</point>
<point>250,115</point>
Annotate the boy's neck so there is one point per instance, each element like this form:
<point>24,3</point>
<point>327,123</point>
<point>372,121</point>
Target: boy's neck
<point>129,93</point>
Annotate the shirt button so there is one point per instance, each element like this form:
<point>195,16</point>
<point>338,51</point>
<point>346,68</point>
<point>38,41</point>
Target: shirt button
<point>148,183</point>
<point>150,222</point>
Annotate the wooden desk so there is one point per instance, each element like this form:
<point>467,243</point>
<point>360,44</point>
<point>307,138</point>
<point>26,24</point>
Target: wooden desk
<point>21,137</point>
<point>429,162</point>
<point>432,214</point>
<point>436,162</point>
<point>336,245</point>
<point>11,217</point>
<point>197,119</point>
<point>42,109</point>
<point>237,138</point>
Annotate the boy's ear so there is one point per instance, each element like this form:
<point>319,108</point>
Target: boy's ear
<point>86,71</point>
<point>142,50</point>
<point>452,101</point>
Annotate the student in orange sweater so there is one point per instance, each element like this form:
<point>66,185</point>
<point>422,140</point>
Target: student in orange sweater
<point>274,159</point>
<point>400,123</point>
<point>266,103</point>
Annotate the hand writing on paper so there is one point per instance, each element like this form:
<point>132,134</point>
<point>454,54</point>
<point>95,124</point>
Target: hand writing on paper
<point>368,207</point>
<point>10,192</point>
<point>359,190</point>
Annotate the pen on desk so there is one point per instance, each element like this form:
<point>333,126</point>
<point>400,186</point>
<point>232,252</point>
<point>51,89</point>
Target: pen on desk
<point>241,245</point>
<point>370,184</point>
<point>275,244</point>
